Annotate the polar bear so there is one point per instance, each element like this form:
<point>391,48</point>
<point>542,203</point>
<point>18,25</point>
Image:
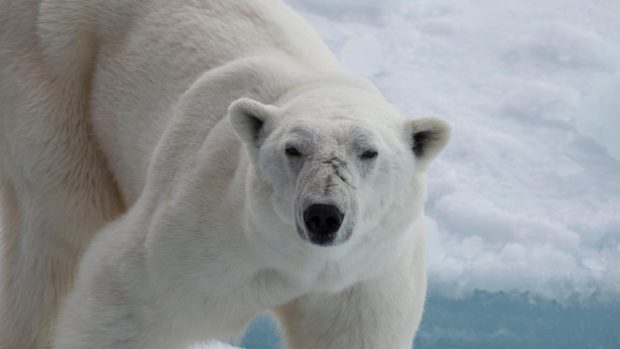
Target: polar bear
<point>172,168</point>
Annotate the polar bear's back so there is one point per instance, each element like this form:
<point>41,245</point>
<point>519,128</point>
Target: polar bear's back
<point>133,58</point>
<point>163,47</point>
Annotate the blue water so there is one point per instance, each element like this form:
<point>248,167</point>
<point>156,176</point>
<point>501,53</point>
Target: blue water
<point>496,321</point>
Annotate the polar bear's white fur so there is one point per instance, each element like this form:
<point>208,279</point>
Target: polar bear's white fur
<point>236,167</point>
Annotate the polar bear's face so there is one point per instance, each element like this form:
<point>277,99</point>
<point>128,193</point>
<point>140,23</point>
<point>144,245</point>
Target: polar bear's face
<point>338,163</point>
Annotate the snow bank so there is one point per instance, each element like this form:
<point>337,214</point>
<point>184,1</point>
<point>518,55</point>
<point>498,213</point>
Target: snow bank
<point>527,196</point>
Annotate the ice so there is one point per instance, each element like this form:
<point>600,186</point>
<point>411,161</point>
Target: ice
<point>492,320</point>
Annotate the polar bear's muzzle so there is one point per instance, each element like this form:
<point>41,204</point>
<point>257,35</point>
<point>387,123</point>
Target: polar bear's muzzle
<point>325,209</point>
<point>322,222</point>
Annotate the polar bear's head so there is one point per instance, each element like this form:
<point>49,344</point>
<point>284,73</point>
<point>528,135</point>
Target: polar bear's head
<point>336,163</point>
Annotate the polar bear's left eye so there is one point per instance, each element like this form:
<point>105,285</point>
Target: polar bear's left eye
<point>369,155</point>
<point>292,152</point>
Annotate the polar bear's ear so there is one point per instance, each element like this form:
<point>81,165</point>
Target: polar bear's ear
<point>428,136</point>
<point>250,119</point>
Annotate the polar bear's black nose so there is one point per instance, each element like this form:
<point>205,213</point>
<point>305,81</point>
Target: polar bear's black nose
<point>322,221</point>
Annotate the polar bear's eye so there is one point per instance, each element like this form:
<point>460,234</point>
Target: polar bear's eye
<point>292,152</point>
<point>369,155</point>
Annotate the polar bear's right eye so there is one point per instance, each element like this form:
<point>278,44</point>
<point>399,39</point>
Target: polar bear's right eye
<point>292,152</point>
<point>369,155</point>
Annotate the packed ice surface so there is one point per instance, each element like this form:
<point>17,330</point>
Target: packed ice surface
<point>527,196</point>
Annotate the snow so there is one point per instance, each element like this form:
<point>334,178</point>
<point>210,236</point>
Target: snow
<point>526,198</point>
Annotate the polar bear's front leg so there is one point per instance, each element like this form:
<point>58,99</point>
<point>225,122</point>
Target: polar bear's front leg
<point>376,314</point>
